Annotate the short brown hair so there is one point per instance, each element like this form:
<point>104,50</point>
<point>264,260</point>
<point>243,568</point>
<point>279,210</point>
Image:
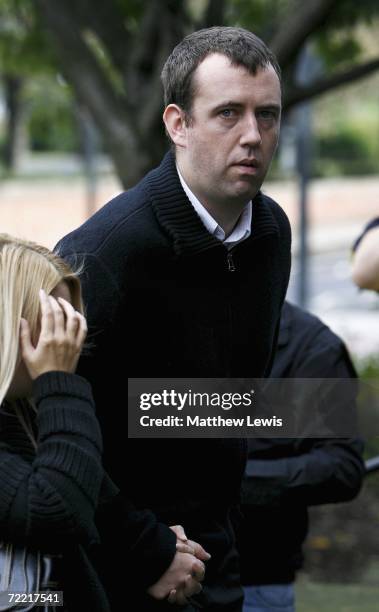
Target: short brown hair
<point>242,47</point>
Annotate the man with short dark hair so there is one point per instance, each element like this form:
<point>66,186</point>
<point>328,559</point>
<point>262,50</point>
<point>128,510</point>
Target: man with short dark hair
<point>185,275</point>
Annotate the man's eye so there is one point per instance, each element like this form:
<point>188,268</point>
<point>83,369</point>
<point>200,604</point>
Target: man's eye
<point>267,114</point>
<point>227,112</point>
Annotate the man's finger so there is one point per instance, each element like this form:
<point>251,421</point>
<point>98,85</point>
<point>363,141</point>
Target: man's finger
<point>191,587</point>
<point>180,598</point>
<point>198,570</point>
<point>200,552</point>
<point>184,548</point>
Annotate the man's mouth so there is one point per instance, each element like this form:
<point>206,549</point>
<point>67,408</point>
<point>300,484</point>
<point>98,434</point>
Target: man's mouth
<point>250,163</point>
<point>247,166</point>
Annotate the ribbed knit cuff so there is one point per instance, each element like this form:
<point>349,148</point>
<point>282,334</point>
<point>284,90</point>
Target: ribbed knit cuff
<point>61,383</point>
<point>82,468</point>
<point>12,473</point>
<point>65,405</point>
<point>157,557</point>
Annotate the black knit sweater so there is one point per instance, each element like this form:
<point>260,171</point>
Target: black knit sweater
<point>162,302</point>
<point>48,496</point>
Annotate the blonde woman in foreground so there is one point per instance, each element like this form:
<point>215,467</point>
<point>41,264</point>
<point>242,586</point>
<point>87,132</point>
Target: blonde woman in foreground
<point>51,474</point>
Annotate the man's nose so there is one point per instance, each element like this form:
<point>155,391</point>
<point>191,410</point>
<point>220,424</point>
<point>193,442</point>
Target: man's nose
<point>250,135</point>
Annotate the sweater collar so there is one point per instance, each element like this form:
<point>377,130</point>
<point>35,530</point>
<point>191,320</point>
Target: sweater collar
<point>178,218</point>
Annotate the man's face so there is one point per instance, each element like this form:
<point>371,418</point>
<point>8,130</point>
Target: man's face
<point>233,132</point>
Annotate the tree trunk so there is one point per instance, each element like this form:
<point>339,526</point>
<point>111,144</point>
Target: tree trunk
<point>15,132</point>
<point>94,90</point>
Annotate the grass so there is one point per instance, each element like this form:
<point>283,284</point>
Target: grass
<point>325,597</point>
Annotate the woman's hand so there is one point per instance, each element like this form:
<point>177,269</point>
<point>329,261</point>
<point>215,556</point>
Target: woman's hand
<point>63,331</point>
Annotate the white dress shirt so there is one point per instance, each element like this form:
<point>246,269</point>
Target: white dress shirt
<point>241,230</point>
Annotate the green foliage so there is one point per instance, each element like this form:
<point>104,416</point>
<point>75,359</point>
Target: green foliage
<point>133,11</point>
<point>369,368</point>
<point>51,121</point>
<point>25,51</point>
<point>347,143</point>
<point>347,151</point>
<point>23,47</point>
<point>316,597</point>
<point>348,12</point>
<point>338,49</point>
<point>101,54</point>
<point>342,541</point>
<point>261,16</point>
<point>133,8</point>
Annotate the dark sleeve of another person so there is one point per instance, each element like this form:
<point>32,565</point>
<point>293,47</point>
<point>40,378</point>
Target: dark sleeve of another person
<point>318,471</point>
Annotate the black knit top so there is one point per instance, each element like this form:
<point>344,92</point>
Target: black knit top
<point>48,496</point>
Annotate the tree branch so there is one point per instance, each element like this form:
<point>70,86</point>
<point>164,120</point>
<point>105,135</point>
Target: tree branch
<point>214,14</point>
<point>93,89</point>
<point>305,18</point>
<point>302,94</point>
<point>166,23</point>
<point>107,23</point>
<point>142,54</point>
<point>163,20</point>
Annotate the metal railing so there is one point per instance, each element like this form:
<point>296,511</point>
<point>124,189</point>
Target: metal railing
<point>372,464</point>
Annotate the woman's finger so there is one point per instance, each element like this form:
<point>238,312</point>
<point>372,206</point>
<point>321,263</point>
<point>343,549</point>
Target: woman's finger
<point>47,315</point>
<point>27,348</point>
<point>82,331</point>
<point>59,322</point>
<point>72,318</point>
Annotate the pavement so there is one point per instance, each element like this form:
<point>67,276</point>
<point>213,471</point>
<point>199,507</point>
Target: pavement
<point>51,198</point>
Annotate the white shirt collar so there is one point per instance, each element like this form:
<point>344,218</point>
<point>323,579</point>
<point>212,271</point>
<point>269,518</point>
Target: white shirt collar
<point>242,229</point>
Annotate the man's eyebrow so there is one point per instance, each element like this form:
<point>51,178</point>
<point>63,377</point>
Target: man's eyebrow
<point>228,103</point>
<point>270,106</point>
<point>267,105</point>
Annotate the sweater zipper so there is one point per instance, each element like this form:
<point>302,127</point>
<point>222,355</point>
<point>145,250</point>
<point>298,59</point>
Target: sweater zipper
<point>231,268</point>
<point>229,259</point>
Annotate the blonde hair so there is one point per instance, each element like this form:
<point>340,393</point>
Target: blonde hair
<point>25,268</point>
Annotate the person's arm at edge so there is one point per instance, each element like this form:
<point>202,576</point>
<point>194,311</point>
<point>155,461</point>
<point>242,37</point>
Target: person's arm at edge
<point>365,267</point>
<point>324,471</point>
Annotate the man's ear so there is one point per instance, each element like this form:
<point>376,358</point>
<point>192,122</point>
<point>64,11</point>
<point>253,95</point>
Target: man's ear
<point>174,120</point>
